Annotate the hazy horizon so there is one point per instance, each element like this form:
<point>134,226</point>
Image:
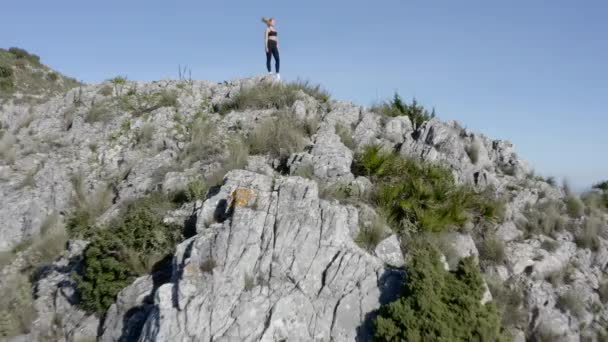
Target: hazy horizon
<point>534,74</point>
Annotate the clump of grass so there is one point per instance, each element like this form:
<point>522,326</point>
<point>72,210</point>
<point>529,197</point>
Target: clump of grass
<point>543,218</point>
<point>397,107</point>
<point>420,193</point>
<point>346,136</point>
<point>87,206</point>
<point>99,112</point>
<point>549,245</point>
<point>572,303</point>
<point>509,299</point>
<point>370,236</point>
<point>492,251</point>
<point>203,142</point>
<point>588,235</point>
<point>603,291</point>
<point>7,143</point>
<point>29,181</point>
<point>208,265</point>
<point>145,133</point>
<point>249,282</point>
<point>268,95</point>
<point>279,136</point>
<point>342,192</point>
<point>106,90</point>
<point>16,306</point>
<point>574,206</point>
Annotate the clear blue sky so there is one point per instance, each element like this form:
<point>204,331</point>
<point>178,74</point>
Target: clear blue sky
<point>533,72</point>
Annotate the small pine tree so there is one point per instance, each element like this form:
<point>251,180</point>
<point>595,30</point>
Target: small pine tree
<point>438,305</point>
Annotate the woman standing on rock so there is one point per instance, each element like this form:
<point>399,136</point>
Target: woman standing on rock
<point>271,42</point>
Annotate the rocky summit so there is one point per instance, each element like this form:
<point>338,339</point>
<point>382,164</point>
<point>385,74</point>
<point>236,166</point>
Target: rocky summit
<point>251,210</point>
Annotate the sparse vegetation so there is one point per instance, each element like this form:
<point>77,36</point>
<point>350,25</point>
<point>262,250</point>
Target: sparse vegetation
<point>249,282</point>
<point>132,245</point>
<point>549,245</point>
<point>438,305</point>
<point>588,235</point>
<point>415,192</point>
<point>279,136</point>
<point>509,299</point>
<point>543,218</point>
<point>99,112</point>
<point>267,95</point>
<point>196,189</point>
<point>145,133</point>
<point>603,291</point>
<point>397,107</point>
<point>16,306</point>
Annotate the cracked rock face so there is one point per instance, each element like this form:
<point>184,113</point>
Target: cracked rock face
<point>279,266</point>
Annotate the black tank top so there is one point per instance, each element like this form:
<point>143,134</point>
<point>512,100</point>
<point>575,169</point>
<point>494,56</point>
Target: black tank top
<point>272,33</point>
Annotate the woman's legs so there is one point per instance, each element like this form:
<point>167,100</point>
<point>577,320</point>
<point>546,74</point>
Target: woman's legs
<point>268,54</point>
<point>277,60</point>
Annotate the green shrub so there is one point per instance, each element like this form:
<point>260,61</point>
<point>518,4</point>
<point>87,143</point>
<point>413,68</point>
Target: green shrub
<point>129,247</point>
<point>279,136</point>
<point>6,71</point>
<point>346,136</point>
<point>571,302</point>
<point>196,189</point>
<point>6,85</point>
<point>203,142</point>
<point>424,194</point>
<point>438,305</point>
<point>603,186</point>
<point>23,54</point>
<point>397,107</point>
<point>492,251</point>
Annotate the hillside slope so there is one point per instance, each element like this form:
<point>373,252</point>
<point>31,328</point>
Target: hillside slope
<point>276,232</point>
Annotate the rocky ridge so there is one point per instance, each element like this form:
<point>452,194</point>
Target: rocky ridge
<point>271,257</point>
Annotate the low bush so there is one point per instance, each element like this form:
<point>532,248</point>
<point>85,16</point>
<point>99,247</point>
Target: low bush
<point>203,142</point>
<point>279,136</point>
<point>439,305</point>
<point>420,193</point>
<point>145,133</point>
<point>549,245</point>
<point>603,291</point>
<point>23,54</point>
<point>6,71</point>
<point>128,247</point>
<point>397,107</point>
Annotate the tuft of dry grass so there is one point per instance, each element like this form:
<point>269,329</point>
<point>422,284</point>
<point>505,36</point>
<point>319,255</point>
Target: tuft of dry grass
<point>279,136</point>
<point>16,306</point>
